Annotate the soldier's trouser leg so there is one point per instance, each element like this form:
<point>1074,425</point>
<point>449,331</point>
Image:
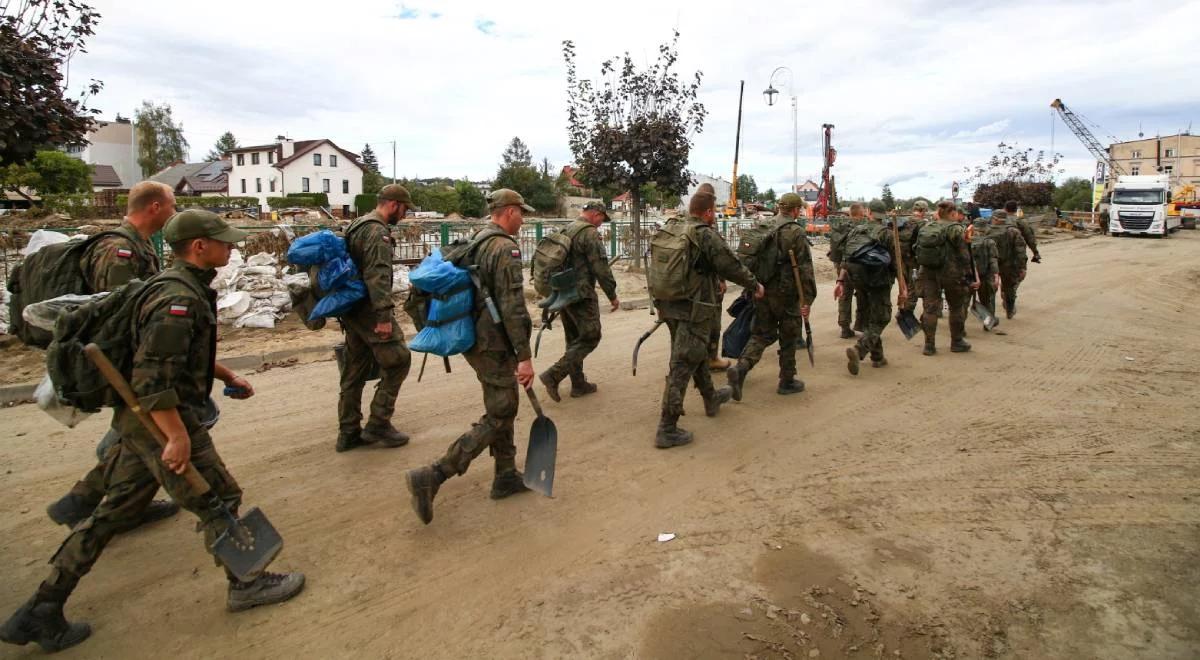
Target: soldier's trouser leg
<point>689,353</point>
<point>878,315</point>
<point>845,304</point>
<point>987,295</point>
<point>914,290</point>
<point>91,487</point>
<point>956,293</point>
<point>1008,287</point>
<point>136,475</point>
<point>931,294</point>
<point>790,334</point>
<point>363,350</point>
<point>763,333</point>
<point>860,311</point>
<point>581,323</point>
<point>495,371</point>
<point>714,331</point>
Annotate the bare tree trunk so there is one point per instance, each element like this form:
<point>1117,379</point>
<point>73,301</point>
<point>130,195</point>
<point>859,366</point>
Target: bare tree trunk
<point>635,228</point>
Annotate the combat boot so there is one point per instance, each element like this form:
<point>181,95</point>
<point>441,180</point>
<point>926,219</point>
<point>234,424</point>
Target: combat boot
<point>930,348</point>
<point>959,346</point>
<point>583,389</point>
<point>790,386</point>
<point>348,440</point>
<point>551,386</point>
<point>42,621</point>
<point>385,434</point>
<point>509,482</point>
<point>266,589</point>
<point>423,484</point>
<point>72,509</point>
<point>847,333</point>
<point>719,364</point>
<point>669,435</point>
<point>881,362</point>
<point>737,377</point>
<point>712,404</point>
<point>854,355</point>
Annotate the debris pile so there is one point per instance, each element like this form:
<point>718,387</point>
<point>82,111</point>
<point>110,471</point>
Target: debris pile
<point>4,300</point>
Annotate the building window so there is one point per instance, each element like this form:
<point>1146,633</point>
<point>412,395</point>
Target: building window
<point>270,157</point>
<point>1170,153</point>
<point>257,183</point>
<point>1136,153</point>
<point>325,185</point>
<point>304,184</point>
<point>1167,169</point>
<point>254,158</point>
<point>271,184</point>
<point>1135,170</point>
<point>317,160</point>
<point>241,160</point>
<point>243,186</point>
<point>345,186</point>
<point>333,160</point>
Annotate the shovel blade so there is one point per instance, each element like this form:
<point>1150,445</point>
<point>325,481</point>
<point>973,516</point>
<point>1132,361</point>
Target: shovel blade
<point>249,547</point>
<point>541,455</point>
<point>985,317</point>
<point>908,323</point>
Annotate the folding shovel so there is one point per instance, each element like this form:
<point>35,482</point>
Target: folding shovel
<point>638,346</point>
<point>250,543</point>
<point>542,451</point>
<point>905,319</point>
<point>981,312</point>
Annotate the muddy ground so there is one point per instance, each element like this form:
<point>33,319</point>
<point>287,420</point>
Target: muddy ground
<point>1036,497</point>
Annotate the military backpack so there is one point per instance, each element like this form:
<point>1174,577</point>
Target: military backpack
<point>671,274</point>
<point>51,272</point>
<point>552,255</point>
<point>1006,243</point>
<point>932,246</point>
<point>759,250</point>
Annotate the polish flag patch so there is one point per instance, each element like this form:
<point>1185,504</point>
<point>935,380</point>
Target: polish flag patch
<point>124,253</point>
<point>178,310</point>
<point>516,254</point>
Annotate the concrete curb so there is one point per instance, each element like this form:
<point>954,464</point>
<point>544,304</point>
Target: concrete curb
<point>11,394</point>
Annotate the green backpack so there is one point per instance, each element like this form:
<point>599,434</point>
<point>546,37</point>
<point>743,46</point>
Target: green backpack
<point>671,274</point>
<point>552,255</point>
<point>109,323</point>
<point>758,249</point>
<point>931,245</point>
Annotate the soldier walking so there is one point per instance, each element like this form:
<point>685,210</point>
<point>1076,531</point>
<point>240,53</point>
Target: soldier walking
<point>501,356</point>
<point>779,316</point>
<point>372,336</point>
<point>906,230</point>
<point>869,267</point>
<point>687,258</point>
<point>1011,258</point>
<point>1028,240</point>
<point>839,229</point>
<point>987,264</point>
<point>174,365</point>
<point>940,248</point>
<point>581,319</point>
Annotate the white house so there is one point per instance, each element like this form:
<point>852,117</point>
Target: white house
<point>297,166</point>
<point>111,143</point>
<point>720,186</point>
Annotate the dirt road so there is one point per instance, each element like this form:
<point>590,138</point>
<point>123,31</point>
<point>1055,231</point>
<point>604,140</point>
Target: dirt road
<point>1036,497</point>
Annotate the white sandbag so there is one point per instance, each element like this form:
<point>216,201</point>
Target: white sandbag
<point>40,239</point>
<point>261,259</point>
<point>296,279</point>
<point>259,271</point>
<point>5,296</point>
<point>400,283</point>
<point>45,314</point>
<point>232,305</point>
<point>281,301</point>
<point>262,318</point>
<point>228,274</point>
<point>48,401</point>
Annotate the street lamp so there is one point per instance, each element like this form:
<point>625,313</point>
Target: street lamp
<point>770,93</point>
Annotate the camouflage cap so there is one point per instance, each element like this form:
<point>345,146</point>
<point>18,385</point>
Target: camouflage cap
<point>598,207</point>
<point>999,214</point>
<point>920,205</point>
<point>505,197</point>
<point>790,201</point>
<point>198,223</point>
<point>396,193</point>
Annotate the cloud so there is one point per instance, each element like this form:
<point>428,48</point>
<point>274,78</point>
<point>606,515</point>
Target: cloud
<point>485,26</point>
<point>901,178</point>
<point>406,13</point>
<point>994,128</point>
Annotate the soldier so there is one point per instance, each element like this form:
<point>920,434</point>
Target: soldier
<point>581,320</point>
<point>501,356</point>
<point>715,361</point>
<point>1029,240</point>
<point>986,264</point>
<point>779,316</point>
<point>1011,258</point>
<point>906,230</point>
<point>372,335</point>
<point>690,320</point>
<point>173,370</point>
<point>940,248</point>
<point>839,229</point>
<point>106,264</point>
<point>869,268</point>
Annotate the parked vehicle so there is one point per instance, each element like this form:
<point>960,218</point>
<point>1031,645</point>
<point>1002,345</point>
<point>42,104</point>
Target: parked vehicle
<point>1139,206</point>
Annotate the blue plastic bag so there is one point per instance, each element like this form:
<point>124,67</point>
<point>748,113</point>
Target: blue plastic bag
<point>450,323</point>
<point>337,272</point>
<point>316,248</point>
<point>339,301</point>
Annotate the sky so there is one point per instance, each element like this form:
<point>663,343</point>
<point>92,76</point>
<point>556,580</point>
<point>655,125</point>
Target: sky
<point>917,90</point>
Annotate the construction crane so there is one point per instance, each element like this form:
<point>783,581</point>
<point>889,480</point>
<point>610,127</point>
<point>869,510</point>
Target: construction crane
<point>1085,136</point>
<point>827,196</point>
<point>731,208</point>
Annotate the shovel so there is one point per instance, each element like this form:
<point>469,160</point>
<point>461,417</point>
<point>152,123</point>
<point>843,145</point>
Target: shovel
<point>542,450</point>
<point>251,543</point>
<point>808,345</point>
<point>985,317</point>
<point>638,346</point>
<point>547,322</point>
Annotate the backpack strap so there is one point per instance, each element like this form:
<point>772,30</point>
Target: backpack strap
<point>359,223</point>
<point>490,231</point>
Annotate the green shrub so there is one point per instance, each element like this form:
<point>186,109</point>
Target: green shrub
<point>365,203</point>
<point>319,199</point>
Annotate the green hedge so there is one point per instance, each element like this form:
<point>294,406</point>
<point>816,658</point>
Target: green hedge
<point>321,199</point>
<point>77,205</point>
<point>365,203</point>
<point>182,202</point>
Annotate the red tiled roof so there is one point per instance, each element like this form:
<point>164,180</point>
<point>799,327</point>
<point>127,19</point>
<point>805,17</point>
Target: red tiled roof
<point>623,197</point>
<point>105,176</point>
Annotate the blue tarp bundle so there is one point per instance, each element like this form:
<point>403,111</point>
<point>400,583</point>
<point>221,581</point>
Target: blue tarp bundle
<point>450,325</point>
<point>338,276</point>
<point>316,248</point>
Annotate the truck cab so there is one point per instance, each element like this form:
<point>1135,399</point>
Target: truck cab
<point>1139,206</point>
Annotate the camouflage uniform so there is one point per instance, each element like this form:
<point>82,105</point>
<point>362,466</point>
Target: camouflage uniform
<point>690,321</point>
<point>839,228</point>
<point>492,357</point>
<point>986,264</point>
<point>950,279</point>
<point>1010,246</point>
<point>369,242</point>
<point>1027,234</point>
<point>581,320</point>
<point>175,332</point>
<point>777,315</point>
<point>906,231</point>
<point>876,289</point>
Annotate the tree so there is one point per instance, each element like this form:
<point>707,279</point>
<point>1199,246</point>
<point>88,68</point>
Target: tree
<point>747,188</point>
<point>889,202</point>
<point>768,197</point>
<point>224,145</point>
<point>59,173</point>
<point>516,153</point>
<point>1014,174</point>
<point>160,139</point>
<point>470,200</point>
<point>1074,194</point>
<point>38,38</point>
<point>372,181</point>
<point>634,128</point>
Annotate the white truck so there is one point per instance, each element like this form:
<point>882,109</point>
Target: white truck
<point>1139,206</point>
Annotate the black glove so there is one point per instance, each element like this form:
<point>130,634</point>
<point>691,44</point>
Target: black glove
<point>1037,258</point>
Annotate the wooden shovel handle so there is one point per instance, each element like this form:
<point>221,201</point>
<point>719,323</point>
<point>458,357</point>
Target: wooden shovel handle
<point>533,400</point>
<point>117,381</point>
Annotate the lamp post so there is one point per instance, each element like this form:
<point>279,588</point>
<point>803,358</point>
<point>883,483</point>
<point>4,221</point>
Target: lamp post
<point>769,93</point>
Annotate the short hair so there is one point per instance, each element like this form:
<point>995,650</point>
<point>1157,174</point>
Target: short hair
<point>145,193</point>
<point>945,208</point>
<point>180,248</point>
<point>701,203</point>
<point>856,206</point>
<point>1011,206</point>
